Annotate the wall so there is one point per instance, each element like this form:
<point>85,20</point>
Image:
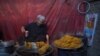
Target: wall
<point>95,50</point>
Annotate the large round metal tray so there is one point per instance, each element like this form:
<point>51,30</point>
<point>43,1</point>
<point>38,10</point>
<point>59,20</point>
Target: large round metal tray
<point>22,50</point>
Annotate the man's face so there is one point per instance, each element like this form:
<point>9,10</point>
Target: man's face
<point>40,21</point>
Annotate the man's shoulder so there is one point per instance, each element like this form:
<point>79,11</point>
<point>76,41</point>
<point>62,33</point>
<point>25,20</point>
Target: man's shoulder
<point>44,25</point>
<point>33,23</point>
<point>30,24</point>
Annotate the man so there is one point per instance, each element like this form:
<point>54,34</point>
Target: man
<point>36,31</point>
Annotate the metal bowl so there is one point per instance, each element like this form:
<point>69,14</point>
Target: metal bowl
<point>24,51</point>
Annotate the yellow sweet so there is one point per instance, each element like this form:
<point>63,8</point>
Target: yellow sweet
<point>40,44</point>
<point>57,43</point>
<point>68,41</point>
<point>43,49</point>
<point>77,40</point>
<point>28,44</point>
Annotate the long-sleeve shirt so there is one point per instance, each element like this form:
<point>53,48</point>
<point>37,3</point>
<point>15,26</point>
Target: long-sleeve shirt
<point>36,32</point>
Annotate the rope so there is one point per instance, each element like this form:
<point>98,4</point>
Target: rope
<point>78,8</point>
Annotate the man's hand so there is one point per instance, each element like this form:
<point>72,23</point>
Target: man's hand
<point>24,31</point>
<point>47,38</point>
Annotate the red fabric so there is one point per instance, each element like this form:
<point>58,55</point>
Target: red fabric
<point>61,16</point>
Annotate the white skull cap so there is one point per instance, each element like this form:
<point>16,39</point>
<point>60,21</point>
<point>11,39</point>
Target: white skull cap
<point>41,17</point>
